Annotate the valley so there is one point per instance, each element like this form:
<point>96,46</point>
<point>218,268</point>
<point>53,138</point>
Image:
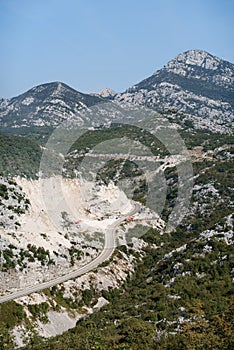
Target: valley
<point>116,221</point>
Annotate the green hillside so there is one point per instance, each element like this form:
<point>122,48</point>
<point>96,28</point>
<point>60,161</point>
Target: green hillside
<point>19,156</point>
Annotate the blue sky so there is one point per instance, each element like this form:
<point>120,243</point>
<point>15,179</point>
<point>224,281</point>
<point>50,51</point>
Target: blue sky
<point>92,44</point>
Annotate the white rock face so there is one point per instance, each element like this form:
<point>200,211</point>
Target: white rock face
<point>27,101</point>
<point>195,58</point>
<point>81,214</point>
<point>106,92</point>
<point>14,202</point>
<point>187,63</point>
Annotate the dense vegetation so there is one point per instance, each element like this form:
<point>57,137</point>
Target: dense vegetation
<point>19,156</point>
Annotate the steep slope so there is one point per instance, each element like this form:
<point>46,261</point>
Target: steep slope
<point>44,105</point>
<point>195,83</point>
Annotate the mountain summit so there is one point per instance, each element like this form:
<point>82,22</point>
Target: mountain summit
<point>45,105</point>
<point>190,63</point>
<point>199,58</point>
<point>106,92</point>
<point>194,83</point>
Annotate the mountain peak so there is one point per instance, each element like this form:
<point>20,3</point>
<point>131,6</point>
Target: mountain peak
<point>199,58</point>
<point>194,83</point>
<point>106,92</point>
<point>56,86</point>
<point>48,104</point>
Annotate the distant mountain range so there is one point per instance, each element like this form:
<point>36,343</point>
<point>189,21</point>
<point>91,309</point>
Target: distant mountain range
<point>195,85</point>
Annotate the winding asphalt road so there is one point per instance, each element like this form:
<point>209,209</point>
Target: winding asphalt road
<point>110,245</point>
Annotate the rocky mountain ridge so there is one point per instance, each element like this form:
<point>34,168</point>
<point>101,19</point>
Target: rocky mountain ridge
<point>195,84</point>
<point>187,64</point>
<point>44,105</point>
